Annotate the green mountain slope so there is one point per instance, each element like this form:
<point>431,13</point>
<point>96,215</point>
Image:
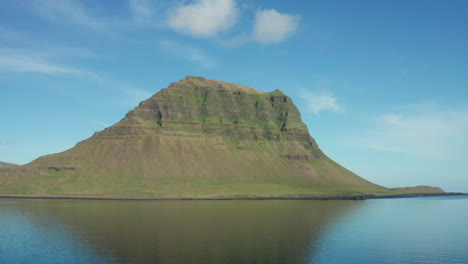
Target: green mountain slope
<point>196,138</point>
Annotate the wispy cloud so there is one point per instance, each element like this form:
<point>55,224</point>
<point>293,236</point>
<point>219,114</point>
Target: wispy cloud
<point>198,18</point>
<point>30,61</point>
<point>101,124</point>
<point>92,15</point>
<point>188,52</point>
<point>320,101</point>
<point>237,41</point>
<point>10,35</point>
<point>204,18</point>
<point>133,95</point>
<point>18,60</point>
<point>69,11</point>
<point>147,13</point>
<point>141,10</point>
<point>425,131</point>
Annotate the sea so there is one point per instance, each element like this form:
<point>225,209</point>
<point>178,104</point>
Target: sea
<point>429,230</point>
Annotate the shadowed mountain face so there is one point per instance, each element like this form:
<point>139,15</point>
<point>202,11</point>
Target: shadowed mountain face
<point>196,138</point>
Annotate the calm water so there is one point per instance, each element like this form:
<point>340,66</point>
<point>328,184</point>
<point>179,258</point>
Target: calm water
<point>413,230</point>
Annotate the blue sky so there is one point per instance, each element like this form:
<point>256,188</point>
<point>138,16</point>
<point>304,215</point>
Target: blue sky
<point>382,85</point>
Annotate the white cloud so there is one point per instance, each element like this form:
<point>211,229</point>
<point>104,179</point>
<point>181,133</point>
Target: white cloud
<point>273,27</point>
<point>199,18</point>
<point>68,10</point>
<point>18,60</point>
<point>319,102</point>
<point>204,18</point>
<point>425,131</point>
<point>188,52</point>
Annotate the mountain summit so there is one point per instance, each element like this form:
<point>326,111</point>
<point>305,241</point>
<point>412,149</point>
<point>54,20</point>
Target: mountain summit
<point>196,138</point>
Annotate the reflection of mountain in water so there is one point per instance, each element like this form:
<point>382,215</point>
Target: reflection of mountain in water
<point>33,237</point>
<point>198,231</point>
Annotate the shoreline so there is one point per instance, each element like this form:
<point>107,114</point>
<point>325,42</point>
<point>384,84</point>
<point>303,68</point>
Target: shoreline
<point>215,198</point>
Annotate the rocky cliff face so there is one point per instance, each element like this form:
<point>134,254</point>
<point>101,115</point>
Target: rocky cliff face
<point>197,137</point>
<point>196,106</point>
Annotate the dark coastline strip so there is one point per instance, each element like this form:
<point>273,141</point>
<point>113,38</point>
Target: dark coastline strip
<point>350,197</point>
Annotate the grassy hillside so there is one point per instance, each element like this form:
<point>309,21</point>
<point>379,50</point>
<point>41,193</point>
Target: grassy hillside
<point>179,167</point>
<point>196,138</point>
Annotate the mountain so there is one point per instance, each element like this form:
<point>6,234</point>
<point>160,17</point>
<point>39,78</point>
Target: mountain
<point>196,138</point>
<point>6,164</point>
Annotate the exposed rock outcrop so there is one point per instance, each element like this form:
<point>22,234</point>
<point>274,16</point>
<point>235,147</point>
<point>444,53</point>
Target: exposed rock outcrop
<point>207,107</point>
